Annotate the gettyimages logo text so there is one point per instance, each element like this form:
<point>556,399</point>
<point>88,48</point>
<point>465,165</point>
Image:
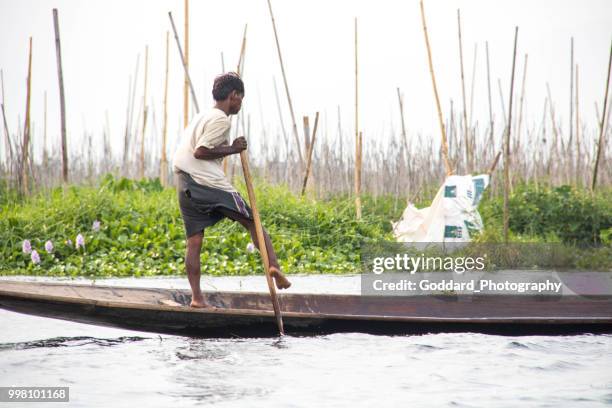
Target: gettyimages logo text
<point>408,263</point>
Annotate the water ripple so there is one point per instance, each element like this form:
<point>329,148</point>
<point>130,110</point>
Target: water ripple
<point>69,342</point>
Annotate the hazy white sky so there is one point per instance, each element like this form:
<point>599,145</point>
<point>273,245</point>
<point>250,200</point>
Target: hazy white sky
<point>101,39</point>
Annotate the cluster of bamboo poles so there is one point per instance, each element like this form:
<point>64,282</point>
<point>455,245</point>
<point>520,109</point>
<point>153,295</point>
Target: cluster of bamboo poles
<point>327,161</point>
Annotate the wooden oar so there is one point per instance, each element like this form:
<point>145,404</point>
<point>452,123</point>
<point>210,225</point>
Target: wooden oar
<point>260,238</point>
<point>247,177</point>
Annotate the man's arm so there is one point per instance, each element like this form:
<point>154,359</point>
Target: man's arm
<point>204,153</point>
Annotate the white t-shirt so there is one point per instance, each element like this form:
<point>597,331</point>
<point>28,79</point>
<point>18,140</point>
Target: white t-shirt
<point>209,129</point>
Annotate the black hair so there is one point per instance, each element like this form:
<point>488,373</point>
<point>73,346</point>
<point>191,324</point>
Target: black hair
<point>225,84</point>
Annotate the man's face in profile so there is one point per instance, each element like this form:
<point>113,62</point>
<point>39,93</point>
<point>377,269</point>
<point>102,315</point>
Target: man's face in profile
<point>235,102</point>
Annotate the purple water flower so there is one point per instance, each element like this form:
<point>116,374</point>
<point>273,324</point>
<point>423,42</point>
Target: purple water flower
<point>96,226</point>
<point>49,246</point>
<point>250,247</point>
<point>26,247</point>
<point>35,257</point>
<point>69,243</point>
<point>80,241</point>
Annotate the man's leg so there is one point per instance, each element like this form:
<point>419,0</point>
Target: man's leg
<point>281,281</point>
<point>192,264</point>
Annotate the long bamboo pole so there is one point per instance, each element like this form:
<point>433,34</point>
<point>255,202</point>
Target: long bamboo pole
<point>263,250</point>
<point>602,128</point>
<point>310,150</point>
<point>570,153</point>
<point>239,70</point>
<point>358,160</point>
<point>447,164</point>
<point>185,67</point>
<point>26,128</point>
<point>520,118</point>
<point>10,161</point>
<point>578,157</point>
<point>144,115</point>
<point>282,66</point>
<point>126,132</point>
<point>401,108</point>
<point>45,153</point>
<point>491,130</point>
<point>163,168</point>
<point>60,75</point>
<point>471,128</point>
<point>187,81</point>
<point>357,134</point>
<point>466,137</point>
<point>507,146</point>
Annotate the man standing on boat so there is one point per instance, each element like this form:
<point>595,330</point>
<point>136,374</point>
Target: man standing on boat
<point>205,194</point>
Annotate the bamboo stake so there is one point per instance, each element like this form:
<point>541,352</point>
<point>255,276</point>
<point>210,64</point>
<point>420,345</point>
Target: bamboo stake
<point>127,124</point>
<point>240,71</point>
<point>553,123</point>
<point>187,82</point>
<point>26,128</point>
<point>471,128</point>
<point>163,168</point>
<point>310,150</point>
<point>8,139</point>
<point>494,164</point>
<point>107,147</point>
<point>602,128</point>
<point>358,173</point>
<point>144,115</point>
<point>60,75</point>
<point>185,67</point>
<point>571,102</point>
<point>401,108</point>
<point>491,141</point>
<point>465,121</point>
<point>306,124</point>
<point>507,145</point>
<point>578,158</point>
<point>238,121</point>
<point>9,147</point>
<point>282,66</point>
<point>357,135</point>
<point>280,112</point>
<point>239,68</point>
<point>503,105</point>
<point>447,165</point>
<point>520,118</point>
<point>45,153</point>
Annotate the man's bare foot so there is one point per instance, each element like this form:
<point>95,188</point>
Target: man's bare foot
<point>281,281</point>
<point>199,303</point>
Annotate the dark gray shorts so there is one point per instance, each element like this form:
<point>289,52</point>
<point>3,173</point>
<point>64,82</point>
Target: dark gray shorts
<point>203,206</point>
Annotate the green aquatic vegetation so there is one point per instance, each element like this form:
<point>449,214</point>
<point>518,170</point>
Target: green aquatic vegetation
<point>133,228</point>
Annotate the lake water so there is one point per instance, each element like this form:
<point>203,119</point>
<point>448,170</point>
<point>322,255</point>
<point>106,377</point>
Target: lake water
<point>107,367</point>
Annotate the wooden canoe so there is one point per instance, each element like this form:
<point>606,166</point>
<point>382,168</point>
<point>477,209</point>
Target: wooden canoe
<point>250,314</point>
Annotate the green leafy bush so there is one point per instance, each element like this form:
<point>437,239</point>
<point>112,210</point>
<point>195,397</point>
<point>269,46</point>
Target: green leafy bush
<point>574,216</point>
<point>141,233</point>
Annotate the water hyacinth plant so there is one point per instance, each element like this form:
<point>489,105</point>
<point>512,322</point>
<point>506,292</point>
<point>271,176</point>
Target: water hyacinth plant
<point>80,241</point>
<point>95,226</point>
<point>49,246</point>
<point>26,247</point>
<point>69,243</point>
<point>35,257</point>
